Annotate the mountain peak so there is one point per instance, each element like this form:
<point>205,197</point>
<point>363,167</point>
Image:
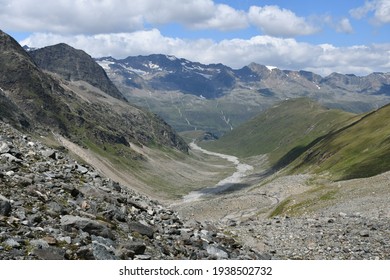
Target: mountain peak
<point>73,65</point>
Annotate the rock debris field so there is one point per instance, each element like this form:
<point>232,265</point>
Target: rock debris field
<point>52,207</point>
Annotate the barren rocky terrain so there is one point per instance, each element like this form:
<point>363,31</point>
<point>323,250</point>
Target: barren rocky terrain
<point>350,220</point>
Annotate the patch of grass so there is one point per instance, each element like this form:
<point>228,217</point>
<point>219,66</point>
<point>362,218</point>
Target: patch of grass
<point>281,208</point>
<point>306,202</point>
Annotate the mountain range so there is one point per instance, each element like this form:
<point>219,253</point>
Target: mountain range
<point>217,98</point>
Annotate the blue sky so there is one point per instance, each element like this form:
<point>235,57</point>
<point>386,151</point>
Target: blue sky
<point>319,36</point>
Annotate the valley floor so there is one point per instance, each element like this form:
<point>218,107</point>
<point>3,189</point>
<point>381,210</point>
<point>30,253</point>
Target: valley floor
<point>286,217</point>
<point>300,216</point>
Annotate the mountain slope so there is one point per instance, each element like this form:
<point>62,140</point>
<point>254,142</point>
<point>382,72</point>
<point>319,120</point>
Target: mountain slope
<point>77,110</point>
<point>74,65</point>
<point>289,125</point>
<point>25,85</point>
<point>361,149</point>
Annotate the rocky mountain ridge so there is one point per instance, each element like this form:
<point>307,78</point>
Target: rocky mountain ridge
<point>216,98</point>
<point>79,110</point>
<point>215,80</point>
<point>74,65</point>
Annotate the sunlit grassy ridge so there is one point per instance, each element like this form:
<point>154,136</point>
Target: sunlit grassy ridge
<point>358,150</point>
<point>287,127</point>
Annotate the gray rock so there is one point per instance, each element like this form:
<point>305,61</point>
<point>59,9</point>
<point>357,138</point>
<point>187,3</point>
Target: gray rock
<point>51,253</point>
<point>137,247</point>
<point>81,169</point>
<point>39,244</point>
<point>141,229</point>
<point>10,158</point>
<point>217,252</point>
<point>4,148</point>
<point>103,249</point>
<point>49,153</point>
<point>5,208</point>
<point>92,227</point>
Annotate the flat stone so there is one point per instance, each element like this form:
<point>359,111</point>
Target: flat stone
<point>51,253</point>
<point>141,229</point>
<point>87,225</point>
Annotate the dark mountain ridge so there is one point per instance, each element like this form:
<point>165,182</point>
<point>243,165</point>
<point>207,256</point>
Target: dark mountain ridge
<point>52,103</point>
<point>74,65</point>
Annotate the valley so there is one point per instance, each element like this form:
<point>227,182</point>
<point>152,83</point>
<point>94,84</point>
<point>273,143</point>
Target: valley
<point>158,157</point>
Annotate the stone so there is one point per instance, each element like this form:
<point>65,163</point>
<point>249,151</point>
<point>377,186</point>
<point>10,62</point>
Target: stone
<point>10,158</point>
<point>81,169</point>
<point>4,148</point>
<point>141,229</point>
<point>51,253</point>
<point>5,208</point>
<point>137,247</point>
<point>217,252</point>
<point>49,154</point>
<point>87,225</point>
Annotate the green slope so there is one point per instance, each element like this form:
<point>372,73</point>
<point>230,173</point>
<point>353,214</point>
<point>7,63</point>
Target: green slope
<point>359,150</point>
<point>286,128</point>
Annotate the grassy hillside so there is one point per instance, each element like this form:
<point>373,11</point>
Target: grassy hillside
<point>286,128</point>
<point>359,150</point>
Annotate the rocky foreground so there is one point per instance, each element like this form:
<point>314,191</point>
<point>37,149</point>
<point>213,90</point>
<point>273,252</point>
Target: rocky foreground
<point>52,207</point>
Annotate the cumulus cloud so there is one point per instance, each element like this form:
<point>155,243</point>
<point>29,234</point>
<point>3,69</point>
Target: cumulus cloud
<point>275,21</point>
<point>379,8</point>
<point>114,16</point>
<point>285,53</point>
<point>225,18</point>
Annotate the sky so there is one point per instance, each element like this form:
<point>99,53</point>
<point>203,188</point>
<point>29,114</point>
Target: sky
<point>323,36</point>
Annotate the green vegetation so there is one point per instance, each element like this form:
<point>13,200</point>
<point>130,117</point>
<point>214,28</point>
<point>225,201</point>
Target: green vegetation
<point>318,197</point>
<point>359,150</point>
<point>283,131</point>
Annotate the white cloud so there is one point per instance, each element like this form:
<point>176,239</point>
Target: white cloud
<point>236,53</point>
<point>225,18</point>
<point>379,8</point>
<point>113,16</point>
<point>275,21</point>
<point>344,26</point>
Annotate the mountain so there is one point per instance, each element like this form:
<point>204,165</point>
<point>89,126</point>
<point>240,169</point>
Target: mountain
<point>361,149</point>
<point>32,92</point>
<point>217,98</point>
<point>74,65</point>
<point>163,72</point>
<point>287,126</point>
<point>76,109</point>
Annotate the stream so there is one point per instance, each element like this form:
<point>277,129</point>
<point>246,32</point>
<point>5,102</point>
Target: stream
<point>223,185</point>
